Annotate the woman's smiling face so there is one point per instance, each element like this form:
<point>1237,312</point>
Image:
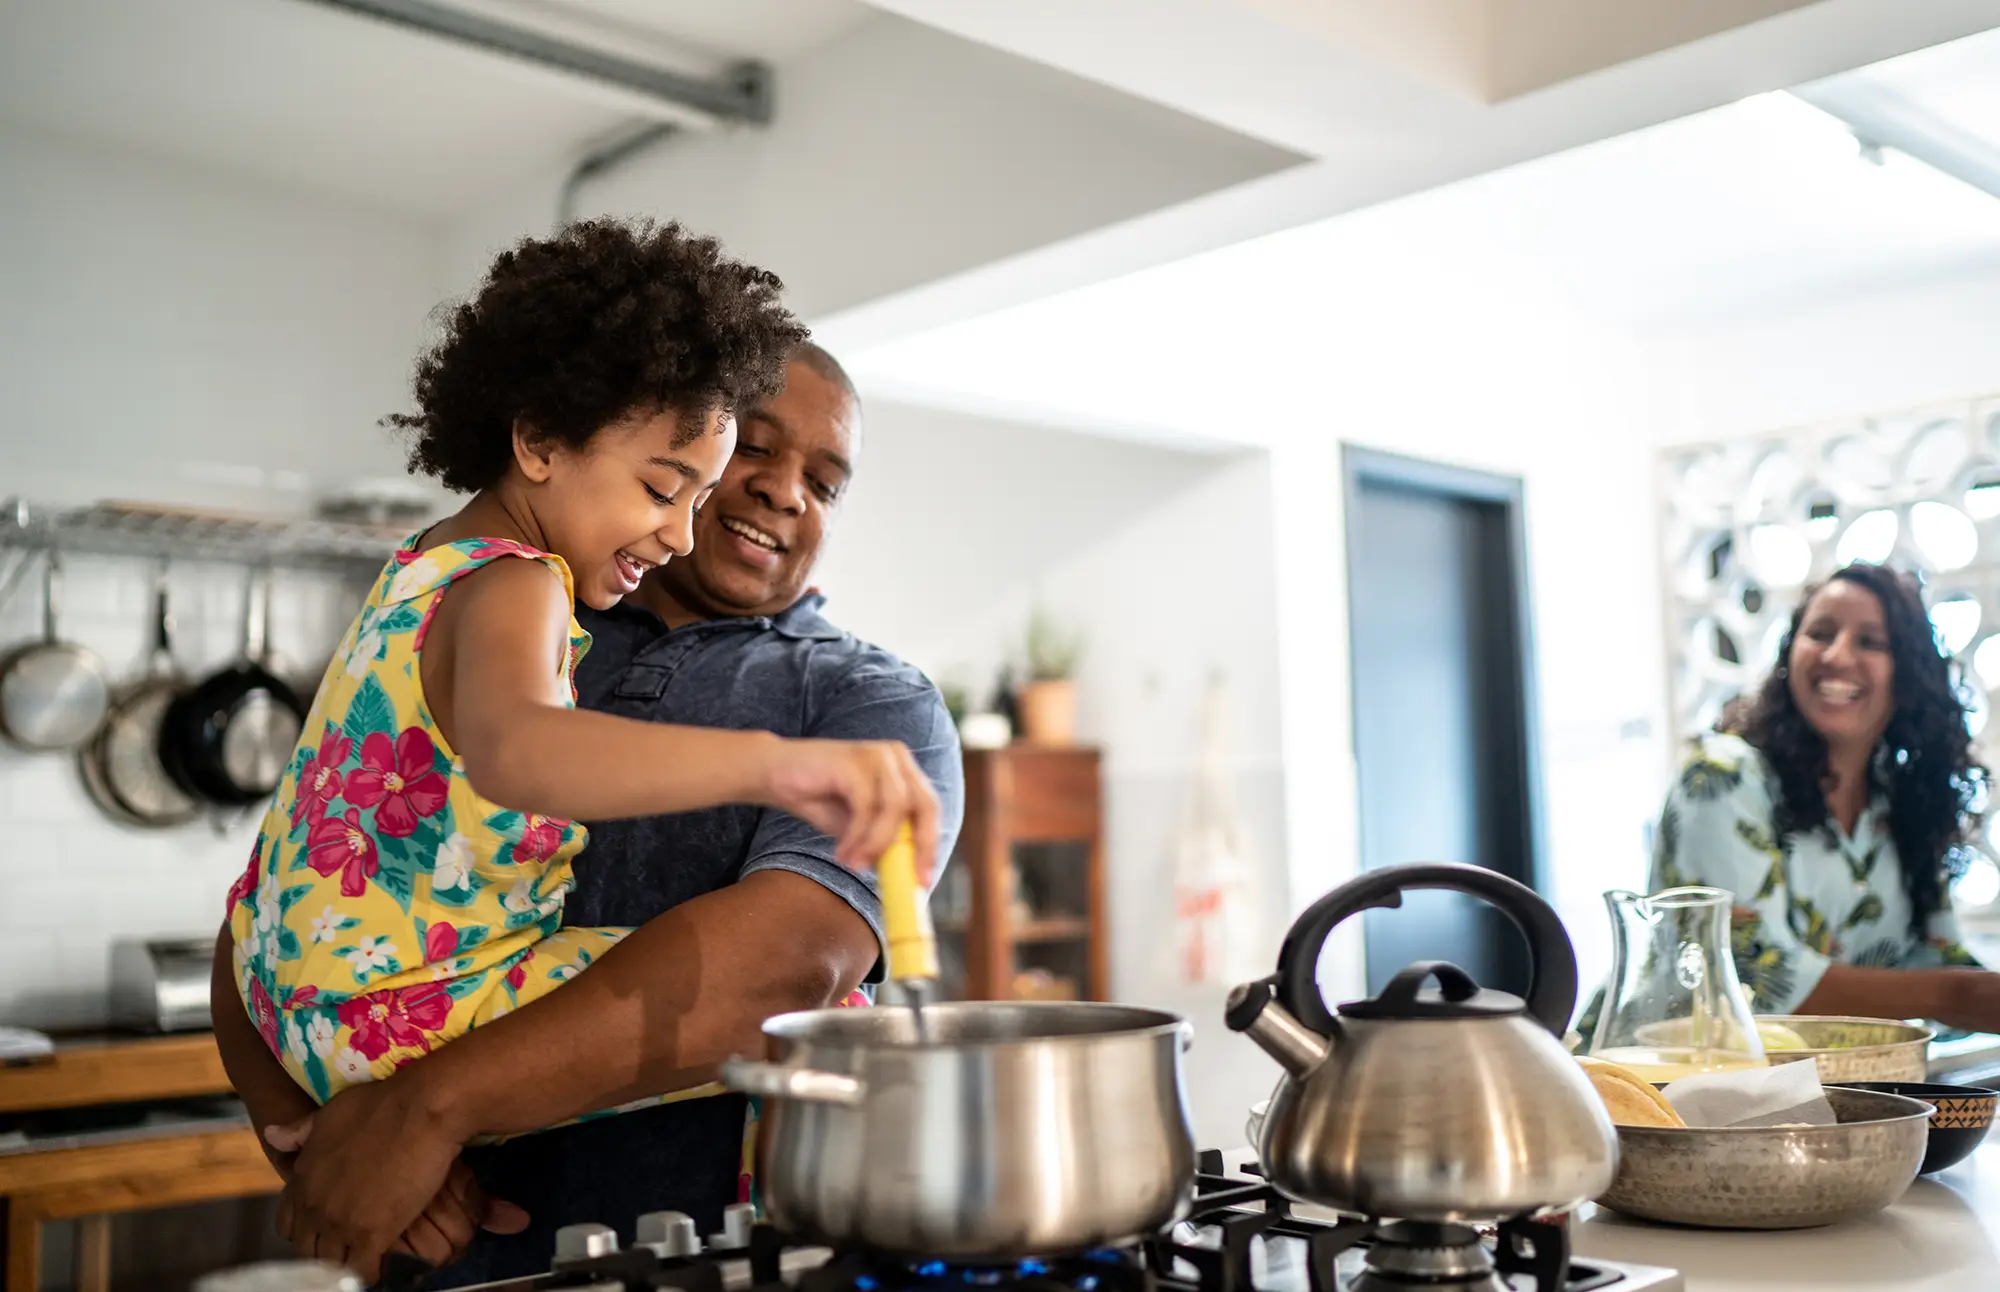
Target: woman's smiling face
<point>1841,672</point>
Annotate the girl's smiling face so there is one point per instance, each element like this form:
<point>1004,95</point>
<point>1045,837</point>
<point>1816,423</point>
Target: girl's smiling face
<point>627,500</point>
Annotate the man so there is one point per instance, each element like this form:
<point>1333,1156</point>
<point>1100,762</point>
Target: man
<point>768,921</point>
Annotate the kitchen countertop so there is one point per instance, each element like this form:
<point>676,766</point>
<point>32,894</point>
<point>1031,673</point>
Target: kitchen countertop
<point>1943,1236</point>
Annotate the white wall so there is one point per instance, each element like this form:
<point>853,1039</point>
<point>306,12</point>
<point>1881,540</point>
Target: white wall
<point>1396,340</point>
<point>958,525</point>
<point>172,335</point>
<point>1865,354</point>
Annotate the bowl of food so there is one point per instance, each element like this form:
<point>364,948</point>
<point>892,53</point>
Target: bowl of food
<point>1848,1049</point>
<point>1773,1177</point>
<point>1964,1116</point>
<point>1759,1177</point>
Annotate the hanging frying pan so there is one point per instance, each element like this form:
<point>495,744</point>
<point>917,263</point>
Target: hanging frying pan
<point>227,740</point>
<point>53,693</point>
<point>125,756</point>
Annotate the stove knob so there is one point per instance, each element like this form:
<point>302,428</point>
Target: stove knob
<point>737,1222</point>
<point>668,1234</point>
<point>585,1242</point>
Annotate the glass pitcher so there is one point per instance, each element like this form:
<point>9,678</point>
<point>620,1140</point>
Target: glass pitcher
<point>1674,1007</point>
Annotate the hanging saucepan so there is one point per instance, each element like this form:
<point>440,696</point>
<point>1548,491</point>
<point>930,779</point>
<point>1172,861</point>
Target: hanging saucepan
<point>228,739</point>
<point>53,693</point>
<point>124,759</point>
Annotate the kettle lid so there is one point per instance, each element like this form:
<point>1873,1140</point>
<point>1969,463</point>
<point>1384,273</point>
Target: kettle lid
<point>1455,996</point>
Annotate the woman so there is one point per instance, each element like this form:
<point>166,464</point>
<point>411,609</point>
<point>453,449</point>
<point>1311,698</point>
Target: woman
<point>1833,803</point>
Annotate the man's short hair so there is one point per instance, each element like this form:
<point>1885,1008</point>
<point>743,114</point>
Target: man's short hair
<point>814,356</point>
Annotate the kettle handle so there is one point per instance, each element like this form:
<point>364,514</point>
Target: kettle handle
<point>1552,960</point>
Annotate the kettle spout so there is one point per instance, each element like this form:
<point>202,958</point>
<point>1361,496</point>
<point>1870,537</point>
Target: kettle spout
<point>1254,1011</point>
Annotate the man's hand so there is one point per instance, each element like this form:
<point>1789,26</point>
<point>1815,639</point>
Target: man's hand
<point>449,1222</point>
<point>375,1171</point>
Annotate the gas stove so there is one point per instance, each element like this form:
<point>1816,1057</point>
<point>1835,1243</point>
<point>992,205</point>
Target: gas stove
<point>1241,1236</point>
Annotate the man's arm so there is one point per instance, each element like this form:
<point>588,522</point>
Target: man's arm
<point>659,1011</point>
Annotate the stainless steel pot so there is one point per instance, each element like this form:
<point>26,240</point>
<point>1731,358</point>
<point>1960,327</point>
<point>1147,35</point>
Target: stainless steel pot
<point>1020,1129</point>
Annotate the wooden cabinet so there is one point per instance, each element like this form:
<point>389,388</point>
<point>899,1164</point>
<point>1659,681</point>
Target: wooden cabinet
<point>1020,911</point>
<point>118,1171</point>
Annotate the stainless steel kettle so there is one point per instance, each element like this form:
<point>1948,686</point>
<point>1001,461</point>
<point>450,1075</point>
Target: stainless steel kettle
<point>1444,1103</point>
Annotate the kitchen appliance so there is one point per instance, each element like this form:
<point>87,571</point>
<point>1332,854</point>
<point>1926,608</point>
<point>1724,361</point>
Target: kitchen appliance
<point>1446,1104</point>
<point>1020,1128</point>
<point>1241,1236</point>
<point>1674,1007</point>
<point>161,984</point>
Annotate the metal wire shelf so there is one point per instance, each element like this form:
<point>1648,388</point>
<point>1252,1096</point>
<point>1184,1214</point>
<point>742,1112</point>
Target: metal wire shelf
<point>155,532</point>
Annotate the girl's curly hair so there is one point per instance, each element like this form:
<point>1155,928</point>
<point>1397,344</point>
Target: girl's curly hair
<point>572,332</point>
<point>1924,762</point>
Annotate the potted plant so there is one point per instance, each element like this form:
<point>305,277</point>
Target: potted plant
<point>1047,700</point>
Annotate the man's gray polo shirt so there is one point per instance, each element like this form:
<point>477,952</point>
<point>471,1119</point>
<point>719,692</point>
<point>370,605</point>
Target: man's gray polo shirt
<point>794,674</point>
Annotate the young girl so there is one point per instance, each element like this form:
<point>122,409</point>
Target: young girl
<point>407,884</point>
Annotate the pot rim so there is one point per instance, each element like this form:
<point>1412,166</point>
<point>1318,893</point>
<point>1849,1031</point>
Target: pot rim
<point>797,1025</point>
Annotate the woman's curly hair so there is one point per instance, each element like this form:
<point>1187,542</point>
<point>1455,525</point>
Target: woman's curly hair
<point>1924,762</point>
<point>572,332</point>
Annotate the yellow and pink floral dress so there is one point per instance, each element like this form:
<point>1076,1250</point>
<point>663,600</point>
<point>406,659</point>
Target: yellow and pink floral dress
<point>388,908</point>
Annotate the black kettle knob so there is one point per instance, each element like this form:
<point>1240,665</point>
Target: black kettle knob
<point>1552,985</point>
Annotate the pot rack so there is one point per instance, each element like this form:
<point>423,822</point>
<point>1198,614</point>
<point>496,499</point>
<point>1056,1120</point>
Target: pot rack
<point>156,532</point>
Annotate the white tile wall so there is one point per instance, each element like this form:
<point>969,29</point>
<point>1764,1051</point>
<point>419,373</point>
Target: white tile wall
<point>72,881</point>
<point>173,334</point>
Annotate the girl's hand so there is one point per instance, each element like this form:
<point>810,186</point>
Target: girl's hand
<point>860,792</point>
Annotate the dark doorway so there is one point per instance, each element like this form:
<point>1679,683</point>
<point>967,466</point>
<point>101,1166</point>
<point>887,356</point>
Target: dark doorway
<point>1443,696</point>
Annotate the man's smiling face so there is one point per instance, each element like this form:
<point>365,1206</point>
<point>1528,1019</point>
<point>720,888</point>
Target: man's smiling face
<point>759,534</point>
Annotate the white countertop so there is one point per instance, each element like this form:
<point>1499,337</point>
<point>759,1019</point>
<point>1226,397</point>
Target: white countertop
<point>1943,1236</point>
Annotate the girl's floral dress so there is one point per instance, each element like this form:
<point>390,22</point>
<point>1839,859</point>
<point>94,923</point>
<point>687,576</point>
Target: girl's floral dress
<point>387,907</point>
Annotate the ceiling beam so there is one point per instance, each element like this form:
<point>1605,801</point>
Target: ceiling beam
<point>1881,117</point>
<point>742,93</point>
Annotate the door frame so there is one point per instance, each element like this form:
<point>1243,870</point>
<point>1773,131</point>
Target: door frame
<point>1361,466</point>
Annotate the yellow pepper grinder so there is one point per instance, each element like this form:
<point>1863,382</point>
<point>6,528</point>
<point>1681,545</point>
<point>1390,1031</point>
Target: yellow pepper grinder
<point>906,913</point>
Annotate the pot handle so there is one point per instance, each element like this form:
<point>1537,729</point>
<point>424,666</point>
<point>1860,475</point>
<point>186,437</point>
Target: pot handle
<point>776,1081</point>
<point>1552,960</point>
<point>1186,1030</point>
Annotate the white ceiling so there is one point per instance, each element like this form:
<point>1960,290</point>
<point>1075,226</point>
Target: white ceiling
<point>1763,207</point>
<point>327,101</point>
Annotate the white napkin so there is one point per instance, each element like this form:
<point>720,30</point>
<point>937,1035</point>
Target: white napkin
<point>1781,1095</point>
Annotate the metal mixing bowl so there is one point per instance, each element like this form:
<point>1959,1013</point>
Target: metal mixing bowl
<point>1848,1049</point>
<point>1857,1049</point>
<point>1773,1177</point>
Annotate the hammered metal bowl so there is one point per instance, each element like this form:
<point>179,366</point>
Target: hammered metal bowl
<point>1857,1049</point>
<point>1848,1049</point>
<point>1773,1177</point>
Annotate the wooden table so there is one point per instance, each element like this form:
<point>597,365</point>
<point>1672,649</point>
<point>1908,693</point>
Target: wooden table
<point>91,1183</point>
